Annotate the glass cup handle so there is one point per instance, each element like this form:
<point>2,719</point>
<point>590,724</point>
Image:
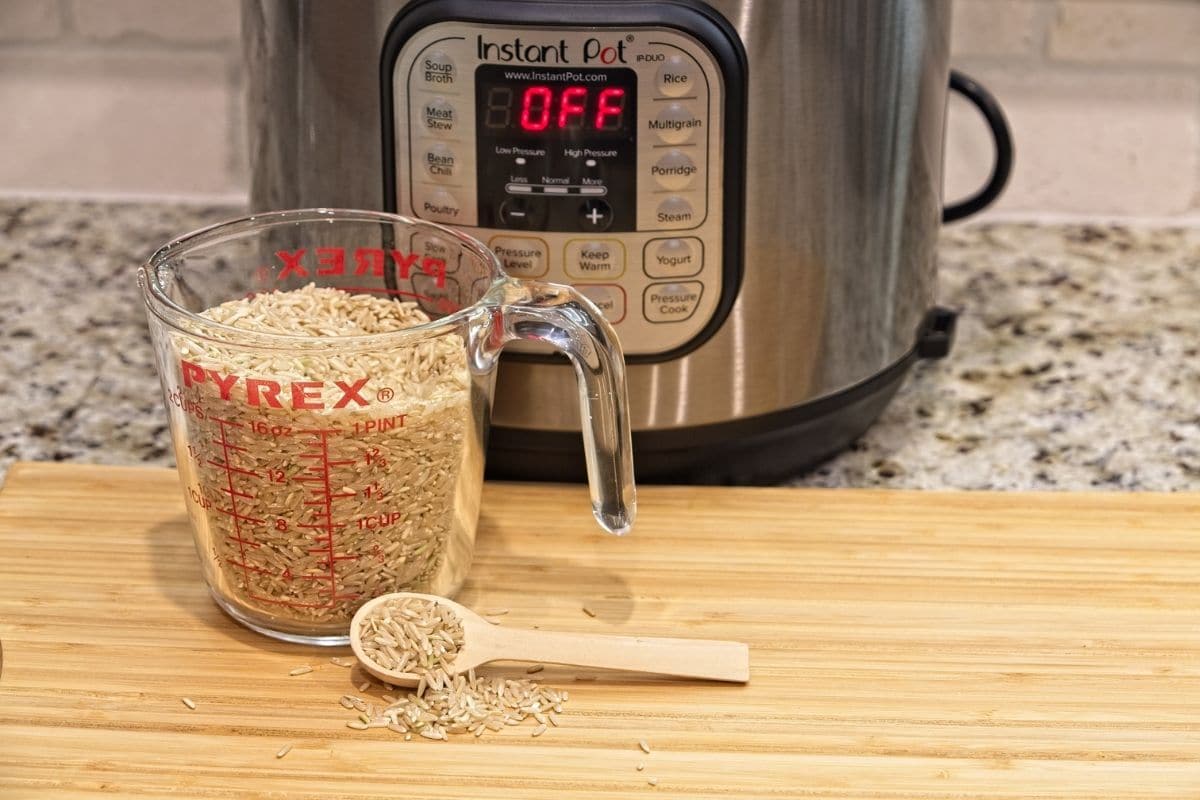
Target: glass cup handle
<point>567,321</point>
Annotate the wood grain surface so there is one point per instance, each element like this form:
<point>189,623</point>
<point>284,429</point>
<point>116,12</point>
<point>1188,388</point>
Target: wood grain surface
<point>903,645</point>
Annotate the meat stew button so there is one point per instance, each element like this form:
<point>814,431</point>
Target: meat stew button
<point>671,302</point>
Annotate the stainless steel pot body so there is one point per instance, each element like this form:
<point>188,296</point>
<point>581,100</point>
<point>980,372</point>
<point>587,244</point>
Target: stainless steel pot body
<point>844,118</point>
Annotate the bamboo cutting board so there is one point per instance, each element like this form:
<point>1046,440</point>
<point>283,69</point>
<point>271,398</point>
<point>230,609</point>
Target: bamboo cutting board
<point>903,645</point>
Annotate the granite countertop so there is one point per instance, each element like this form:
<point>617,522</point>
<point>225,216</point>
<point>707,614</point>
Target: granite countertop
<point>1076,363</point>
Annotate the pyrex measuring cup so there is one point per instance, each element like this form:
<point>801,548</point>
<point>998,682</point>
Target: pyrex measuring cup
<point>327,457</point>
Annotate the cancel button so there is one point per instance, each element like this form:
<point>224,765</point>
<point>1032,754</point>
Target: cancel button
<point>671,302</point>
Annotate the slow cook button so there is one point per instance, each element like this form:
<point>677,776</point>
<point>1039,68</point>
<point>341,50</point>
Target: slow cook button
<point>676,77</point>
<point>440,162</point>
<point>439,116</point>
<point>522,256</point>
<point>675,124</point>
<point>674,258</point>
<point>592,259</point>
<point>438,205</point>
<point>437,69</point>
<point>671,302</point>
<point>435,245</point>
<point>674,170</point>
<point>609,298</point>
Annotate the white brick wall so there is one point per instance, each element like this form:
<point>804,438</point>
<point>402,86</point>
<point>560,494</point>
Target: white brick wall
<point>144,97</point>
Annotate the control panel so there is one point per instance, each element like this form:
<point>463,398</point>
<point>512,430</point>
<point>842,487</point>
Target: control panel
<point>589,156</point>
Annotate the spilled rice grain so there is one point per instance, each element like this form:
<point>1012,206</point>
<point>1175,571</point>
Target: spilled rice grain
<point>283,751</point>
<point>300,671</point>
<point>642,743</point>
<point>189,702</point>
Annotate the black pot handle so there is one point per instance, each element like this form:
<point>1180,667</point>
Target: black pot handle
<point>983,100</point>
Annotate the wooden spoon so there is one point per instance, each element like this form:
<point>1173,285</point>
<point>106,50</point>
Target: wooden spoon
<point>484,642</point>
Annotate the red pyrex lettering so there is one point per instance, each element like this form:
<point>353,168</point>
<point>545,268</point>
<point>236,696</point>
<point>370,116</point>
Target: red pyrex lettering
<point>262,392</point>
<point>333,261</point>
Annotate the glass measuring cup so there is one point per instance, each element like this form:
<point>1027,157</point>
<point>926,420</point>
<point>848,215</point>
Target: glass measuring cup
<point>328,456</point>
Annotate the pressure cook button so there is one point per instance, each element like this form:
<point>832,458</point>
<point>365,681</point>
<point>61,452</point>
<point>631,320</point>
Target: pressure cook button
<point>437,69</point>
<point>595,215</point>
<point>674,258</point>
<point>440,162</point>
<point>439,116</point>
<point>522,256</point>
<point>671,302</point>
<point>437,204</point>
<point>596,259</point>
<point>675,124</point>
<point>676,77</point>
<point>675,212</point>
<point>674,170</point>
<point>609,298</point>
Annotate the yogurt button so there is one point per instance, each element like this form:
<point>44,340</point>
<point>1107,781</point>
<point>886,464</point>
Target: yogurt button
<point>674,258</point>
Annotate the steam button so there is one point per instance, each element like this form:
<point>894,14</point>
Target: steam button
<point>675,212</point>
<point>439,116</point>
<point>437,69</point>
<point>677,77</point>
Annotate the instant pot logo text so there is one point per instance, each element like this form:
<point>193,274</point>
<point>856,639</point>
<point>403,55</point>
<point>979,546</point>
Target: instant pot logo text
<point>275,394</point>
<point>330,261</point>
<point>594,51</point>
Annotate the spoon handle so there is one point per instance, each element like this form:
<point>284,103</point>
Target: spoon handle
<point>684,658</point>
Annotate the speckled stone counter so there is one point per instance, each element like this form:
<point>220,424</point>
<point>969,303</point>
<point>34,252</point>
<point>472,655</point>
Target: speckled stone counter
<point>1076,363</point>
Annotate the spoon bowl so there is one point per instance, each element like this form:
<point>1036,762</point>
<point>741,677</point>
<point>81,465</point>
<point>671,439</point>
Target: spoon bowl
<point>484,643</point>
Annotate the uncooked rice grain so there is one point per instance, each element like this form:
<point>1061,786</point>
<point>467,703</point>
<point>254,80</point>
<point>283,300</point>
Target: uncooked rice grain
<point>642,743</point>
<point>283,751</point>
<point>270,563</point>
<point>300,671</point>
<point>189,702</point>
<point>422,637</point>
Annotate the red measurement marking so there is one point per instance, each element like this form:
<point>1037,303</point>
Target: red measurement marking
<point>229,422</point>
<point>233,493</point>
<point>250,567</point>
<point>323,498</point>
<point>241,540</point>
<point>239,517</point>
<point>232,468</point>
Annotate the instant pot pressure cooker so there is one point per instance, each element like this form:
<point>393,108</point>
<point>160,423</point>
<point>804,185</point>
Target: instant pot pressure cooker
<point>749,191</point>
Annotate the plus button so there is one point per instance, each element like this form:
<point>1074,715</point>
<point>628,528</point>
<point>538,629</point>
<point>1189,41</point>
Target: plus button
<point>595,215</point>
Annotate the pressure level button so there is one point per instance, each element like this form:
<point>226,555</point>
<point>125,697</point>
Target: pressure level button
<point>677,77</point>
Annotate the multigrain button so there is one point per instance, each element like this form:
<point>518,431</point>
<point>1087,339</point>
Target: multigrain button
<point>594,259</point>
<point>439,116</point>
<point>675,124</point>
<point>609,298</point>
<point>437,69</point>
<point>522,256</point>
<point>437,204</point>
<point>671,302</point>
<point>674,258</point>
<point>440,162</point>
<point>676,77</point>
<point>675,212</point>
<point>674,170</point>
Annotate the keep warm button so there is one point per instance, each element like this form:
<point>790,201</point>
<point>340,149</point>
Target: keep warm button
<point>671,302</point>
